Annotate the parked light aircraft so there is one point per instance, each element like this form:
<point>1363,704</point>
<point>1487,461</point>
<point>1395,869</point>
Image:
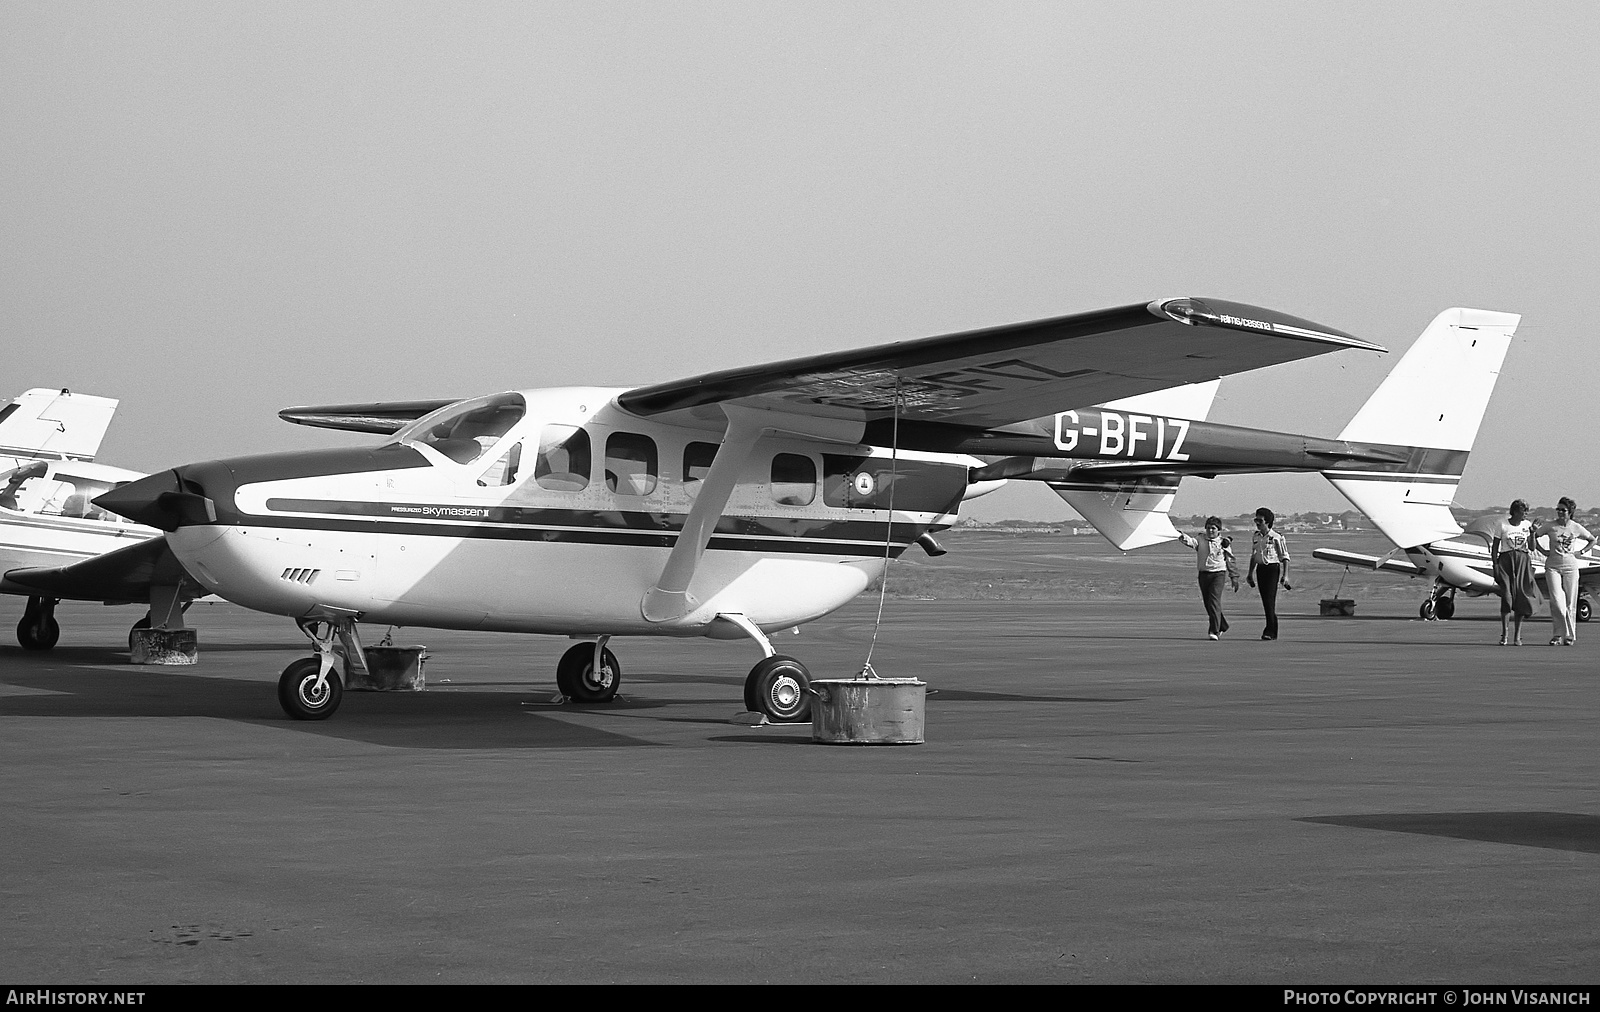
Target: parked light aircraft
<point>48,520</point>
<point>728,505</point>
<point>48,442</point>
<point>1436,397</point>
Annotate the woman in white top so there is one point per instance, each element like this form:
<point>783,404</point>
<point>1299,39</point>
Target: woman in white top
<point>1561,570</point>
<point>1513,571</point>
<point>1214,557</point>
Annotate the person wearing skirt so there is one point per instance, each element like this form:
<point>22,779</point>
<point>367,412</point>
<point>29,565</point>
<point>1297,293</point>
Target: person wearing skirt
<point>1513,570</point>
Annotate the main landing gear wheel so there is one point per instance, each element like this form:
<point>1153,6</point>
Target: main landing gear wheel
<point>300,695</point>
<point>38,629</point>
<point>780,688</point>
<point>1427,609</point>
<point>1445,609</point>
<point>577,679</point>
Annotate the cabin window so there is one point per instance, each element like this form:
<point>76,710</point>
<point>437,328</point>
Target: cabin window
<point>77,495</point>
<point>563,463</point>
<point>631,464</point>
<point>465,431</point>
<point>794,480</point>
<point>697,458</point>
<point>504,470</point>
<point>30,489</point>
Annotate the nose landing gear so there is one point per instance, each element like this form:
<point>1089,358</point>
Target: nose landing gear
<point>310,689</point>
<point>1441,604</point>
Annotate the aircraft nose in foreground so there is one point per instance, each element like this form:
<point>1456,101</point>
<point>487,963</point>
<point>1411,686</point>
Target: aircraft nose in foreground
<point>166,500</point>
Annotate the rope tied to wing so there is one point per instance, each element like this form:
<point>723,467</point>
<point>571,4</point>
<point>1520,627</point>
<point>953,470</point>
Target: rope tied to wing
<point>888,527</point>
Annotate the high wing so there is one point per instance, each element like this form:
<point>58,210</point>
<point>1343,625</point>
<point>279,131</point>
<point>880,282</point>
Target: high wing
<point>993,377</point>
<point>1386,564</point>
<point>121,576</point>
<point>971,381</point>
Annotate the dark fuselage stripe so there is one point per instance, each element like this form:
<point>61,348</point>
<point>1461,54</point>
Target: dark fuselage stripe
<point>587,536</point>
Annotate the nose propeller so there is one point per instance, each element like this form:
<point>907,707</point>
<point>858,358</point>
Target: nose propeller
<point>166,501</point>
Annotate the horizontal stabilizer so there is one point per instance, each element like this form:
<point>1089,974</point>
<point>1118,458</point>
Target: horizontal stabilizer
<point>1385,564</point>
<point>382,417</point>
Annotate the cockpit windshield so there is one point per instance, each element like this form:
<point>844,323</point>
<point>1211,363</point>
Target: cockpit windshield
<point>13,481</point>
<point>465,431</point>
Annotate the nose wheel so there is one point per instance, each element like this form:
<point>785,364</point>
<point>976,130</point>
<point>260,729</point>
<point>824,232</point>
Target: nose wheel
<point>1441,604</point>
<point>305,694</point>
<point>310,689</point>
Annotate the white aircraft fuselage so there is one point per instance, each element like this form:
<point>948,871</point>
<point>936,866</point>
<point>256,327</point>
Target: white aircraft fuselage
<point>407,535</point>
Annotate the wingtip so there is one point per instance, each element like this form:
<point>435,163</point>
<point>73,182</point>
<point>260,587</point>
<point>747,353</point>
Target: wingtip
<point>1193,312</point>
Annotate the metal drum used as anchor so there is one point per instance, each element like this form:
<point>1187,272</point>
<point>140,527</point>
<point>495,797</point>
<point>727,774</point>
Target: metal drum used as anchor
<point>868,711</point>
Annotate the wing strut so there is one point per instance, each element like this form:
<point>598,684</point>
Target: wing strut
<point>670,599</point>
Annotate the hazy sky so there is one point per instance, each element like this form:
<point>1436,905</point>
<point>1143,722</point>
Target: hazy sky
<point>213,211</point>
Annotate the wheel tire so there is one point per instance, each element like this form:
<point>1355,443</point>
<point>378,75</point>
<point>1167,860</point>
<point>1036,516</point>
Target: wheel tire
<point>1427,610</point>
<point>1584,609</point>
<point>296,695</point>
<point>779,687</point>
<point>576,678</point>
<point>143,623</point>
<point>38,632</point>
<point>1445,609</point>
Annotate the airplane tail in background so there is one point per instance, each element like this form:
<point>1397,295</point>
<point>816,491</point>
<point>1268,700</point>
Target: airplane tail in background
<point>1131,512</point>
<point>1432,402</point>
<point>54,424</point>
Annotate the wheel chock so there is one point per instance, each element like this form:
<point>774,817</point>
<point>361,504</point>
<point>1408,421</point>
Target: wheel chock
<point>164,646</point>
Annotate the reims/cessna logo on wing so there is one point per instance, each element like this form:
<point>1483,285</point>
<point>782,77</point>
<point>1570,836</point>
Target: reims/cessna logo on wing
<point>1117,435</point>
<point>1240,321</point>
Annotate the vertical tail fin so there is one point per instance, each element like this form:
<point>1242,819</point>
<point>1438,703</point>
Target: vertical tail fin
<point>55,424</point>
<point>1132,513</point>
<point>1432,402</point>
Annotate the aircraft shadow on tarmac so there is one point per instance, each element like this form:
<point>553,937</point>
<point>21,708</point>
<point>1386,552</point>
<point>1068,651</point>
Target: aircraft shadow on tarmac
<point>1549,830</point>
<point>430,720</point>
